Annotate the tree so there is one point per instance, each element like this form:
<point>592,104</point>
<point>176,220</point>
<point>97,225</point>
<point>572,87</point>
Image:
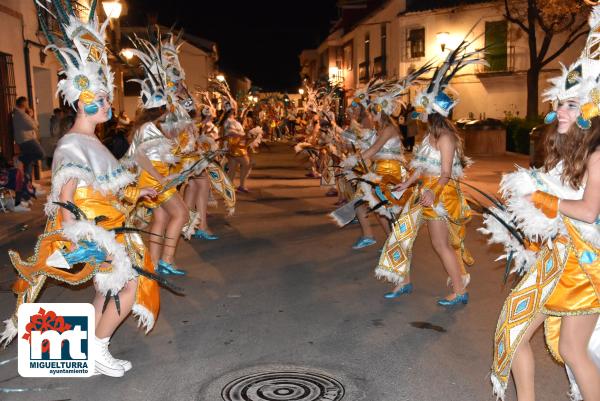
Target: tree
<point>565,19</point>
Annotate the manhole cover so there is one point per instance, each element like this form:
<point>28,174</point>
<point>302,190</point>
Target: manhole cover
<point>281,386</point>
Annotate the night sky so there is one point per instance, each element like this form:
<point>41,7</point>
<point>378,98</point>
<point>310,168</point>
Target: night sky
<point>258,39</point>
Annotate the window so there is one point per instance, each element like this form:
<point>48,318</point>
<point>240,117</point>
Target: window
<point>363,72</point>
<point>496,44</point>
<point>383,40</point>
<point>51,23</point>
<point>8,97</point>
<point>416,43</point>
<point>367,49</point>
<point>347,55</point>
<point>379,67</point>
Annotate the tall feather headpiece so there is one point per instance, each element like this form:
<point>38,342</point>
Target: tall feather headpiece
<point>439,97</point>
<point>80,49</point>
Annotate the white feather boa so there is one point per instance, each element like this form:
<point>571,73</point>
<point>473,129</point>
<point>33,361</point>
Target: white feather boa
<point>121,271</point>
<point>534,224</point>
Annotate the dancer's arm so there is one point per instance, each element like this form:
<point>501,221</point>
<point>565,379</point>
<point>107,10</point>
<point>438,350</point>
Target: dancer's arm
<point>67,194</point>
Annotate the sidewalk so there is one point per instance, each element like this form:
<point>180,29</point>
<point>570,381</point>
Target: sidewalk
<point>12,224</point>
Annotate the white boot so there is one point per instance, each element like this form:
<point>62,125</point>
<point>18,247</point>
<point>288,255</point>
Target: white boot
<point>105,363</point>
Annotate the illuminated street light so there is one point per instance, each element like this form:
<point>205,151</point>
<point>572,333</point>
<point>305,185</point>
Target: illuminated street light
<point>112,9</point>
<point>127,53</point>
<point>442,39</point>
<point>333,72</point>
<point>221,78</point>
<point>301,91</point>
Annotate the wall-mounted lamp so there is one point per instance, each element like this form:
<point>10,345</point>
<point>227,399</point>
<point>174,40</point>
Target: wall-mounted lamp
<point>442,39</point>
<point>112,9</point>
<point>127,53</point>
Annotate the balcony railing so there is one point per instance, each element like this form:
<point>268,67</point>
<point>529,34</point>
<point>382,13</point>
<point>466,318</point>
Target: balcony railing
<point>498,63</point>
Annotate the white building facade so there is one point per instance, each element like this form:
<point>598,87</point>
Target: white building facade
<point>393,40</point>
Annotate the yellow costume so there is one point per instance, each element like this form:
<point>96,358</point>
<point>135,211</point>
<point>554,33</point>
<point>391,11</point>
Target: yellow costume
<point>449,206</point>
<point>104,188</point>
<point>151,142</point>
<point>562,275</point>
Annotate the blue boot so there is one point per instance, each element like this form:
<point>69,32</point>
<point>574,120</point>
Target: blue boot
<point>459,299</point>
<point>200,234</point>
<point>405,289</point>
<point>167,268</point>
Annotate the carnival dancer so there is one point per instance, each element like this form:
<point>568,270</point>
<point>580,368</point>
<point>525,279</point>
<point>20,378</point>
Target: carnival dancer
<point>385,151</point>
<point>556,241</point>
<point>438,164</point>
<point>90,198</point>
<point>197,191</point>
<point>161,119</point>
<point>237,155</point>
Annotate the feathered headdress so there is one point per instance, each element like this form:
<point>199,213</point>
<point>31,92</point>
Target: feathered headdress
<point>363,96</point>
<point>154,92</point>
<point>439,97</point>
<point>206,107</point>
<point>171,43</point>
<point>221,87</point>
<point>169,53</point>
<point>581,79</point>
<point>80,50</point>
<point>388,97</point>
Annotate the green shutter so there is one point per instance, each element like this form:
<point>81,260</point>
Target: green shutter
<point>496,34</point>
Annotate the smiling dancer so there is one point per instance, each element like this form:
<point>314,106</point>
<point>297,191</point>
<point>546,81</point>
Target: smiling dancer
<point>556,241</point>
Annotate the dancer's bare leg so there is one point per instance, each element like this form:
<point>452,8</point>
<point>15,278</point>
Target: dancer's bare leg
<point>244,170</point>
<point>232,166</point>
<point>191,194</point>
<point>523,365</point>
<point>439,236</point>
<point>363,219</point>
<point>111,319</point>
<point>203,185</point>
<point>178,215</point>
<point>575,334</point>
<point>385,224</point>
<point>160,219</point>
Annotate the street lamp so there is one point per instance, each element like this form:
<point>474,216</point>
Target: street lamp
<point>127,53</point>
<point>442,39</point>
<point>221,78</point>
<point>112,9</point>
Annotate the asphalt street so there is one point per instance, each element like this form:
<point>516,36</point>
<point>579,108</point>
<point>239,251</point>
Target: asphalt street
<point>282,290</point>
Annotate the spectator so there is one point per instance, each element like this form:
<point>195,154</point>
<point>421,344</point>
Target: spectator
<point>412,129</point>
<point>13,178</point>
<point>25,130</point>
<point>55,131</point>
